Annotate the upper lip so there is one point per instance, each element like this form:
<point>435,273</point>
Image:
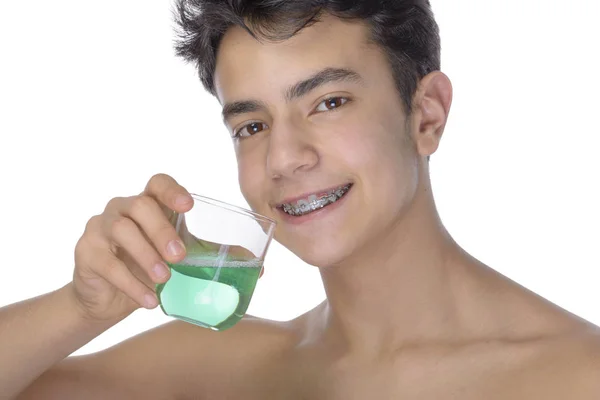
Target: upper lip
<point>294,199</point>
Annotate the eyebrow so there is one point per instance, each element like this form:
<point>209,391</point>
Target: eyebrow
<point>296,91</point>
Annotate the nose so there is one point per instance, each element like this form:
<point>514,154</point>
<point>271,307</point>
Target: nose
<point>290,151</point>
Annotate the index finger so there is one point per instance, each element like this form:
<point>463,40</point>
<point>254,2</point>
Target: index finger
<point>169,193</point>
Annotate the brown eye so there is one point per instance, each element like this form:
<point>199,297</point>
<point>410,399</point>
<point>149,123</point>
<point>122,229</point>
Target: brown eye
<point>331,104</point>
<point>250,129</point>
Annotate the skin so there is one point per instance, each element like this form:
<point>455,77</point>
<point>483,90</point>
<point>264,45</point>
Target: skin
<point>431,322</point>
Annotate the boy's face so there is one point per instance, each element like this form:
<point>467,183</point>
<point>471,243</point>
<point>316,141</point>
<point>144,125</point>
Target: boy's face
<point>297,144</point>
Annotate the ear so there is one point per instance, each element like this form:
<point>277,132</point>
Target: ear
<point>431,106</point>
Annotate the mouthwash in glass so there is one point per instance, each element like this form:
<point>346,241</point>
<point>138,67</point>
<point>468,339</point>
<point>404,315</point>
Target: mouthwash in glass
<point>209,291</point>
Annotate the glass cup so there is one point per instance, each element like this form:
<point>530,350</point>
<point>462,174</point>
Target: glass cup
<point>225,249</point>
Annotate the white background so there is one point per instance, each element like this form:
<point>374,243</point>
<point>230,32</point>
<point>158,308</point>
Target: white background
<point>93,102</point>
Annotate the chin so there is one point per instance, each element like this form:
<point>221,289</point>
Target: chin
<point>319,253</point>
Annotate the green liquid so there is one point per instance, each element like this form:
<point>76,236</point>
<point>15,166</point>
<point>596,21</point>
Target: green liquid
<point>207,295</point>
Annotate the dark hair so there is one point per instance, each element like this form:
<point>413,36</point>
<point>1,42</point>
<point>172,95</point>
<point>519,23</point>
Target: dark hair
<point>404,29</point>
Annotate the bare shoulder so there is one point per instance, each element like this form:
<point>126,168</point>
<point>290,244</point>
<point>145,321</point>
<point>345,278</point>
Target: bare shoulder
<point>195,361</point>
<point>173,361</point>
<point>566,366</point>
<point>580,356</point>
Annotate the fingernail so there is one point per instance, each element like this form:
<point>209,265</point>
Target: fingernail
<point>150,301</point>
<point>182,200</point>
<point>160,270</point>
<point>175,248</point>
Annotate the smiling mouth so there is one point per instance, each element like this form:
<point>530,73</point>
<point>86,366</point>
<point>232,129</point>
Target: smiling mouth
<point>313,203</point>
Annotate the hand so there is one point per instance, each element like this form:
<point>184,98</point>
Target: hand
<point>119,257</point>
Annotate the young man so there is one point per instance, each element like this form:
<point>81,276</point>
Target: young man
<point>317,96</point>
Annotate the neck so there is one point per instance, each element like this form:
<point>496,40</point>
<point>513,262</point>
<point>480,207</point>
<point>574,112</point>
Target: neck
<point>401,288</point>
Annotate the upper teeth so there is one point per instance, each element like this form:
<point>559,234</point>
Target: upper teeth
<point>304,206</point>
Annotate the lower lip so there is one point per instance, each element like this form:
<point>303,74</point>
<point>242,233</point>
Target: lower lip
<point>315,214</point>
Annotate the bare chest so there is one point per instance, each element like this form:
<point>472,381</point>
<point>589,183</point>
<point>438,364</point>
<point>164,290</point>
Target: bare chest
<point>435,386</point>
<point>489,371</point>
<point>495,378</point>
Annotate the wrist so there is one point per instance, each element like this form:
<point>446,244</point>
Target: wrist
<point>78,312</point>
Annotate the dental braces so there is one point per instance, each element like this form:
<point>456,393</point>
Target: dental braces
<point>312,205</point>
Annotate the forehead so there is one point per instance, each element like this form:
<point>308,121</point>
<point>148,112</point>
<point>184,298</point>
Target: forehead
<point>247,68</point>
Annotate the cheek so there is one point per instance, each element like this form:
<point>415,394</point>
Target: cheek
<point>250,178</point>
<point>369,152</point>
<point>384,163</point>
